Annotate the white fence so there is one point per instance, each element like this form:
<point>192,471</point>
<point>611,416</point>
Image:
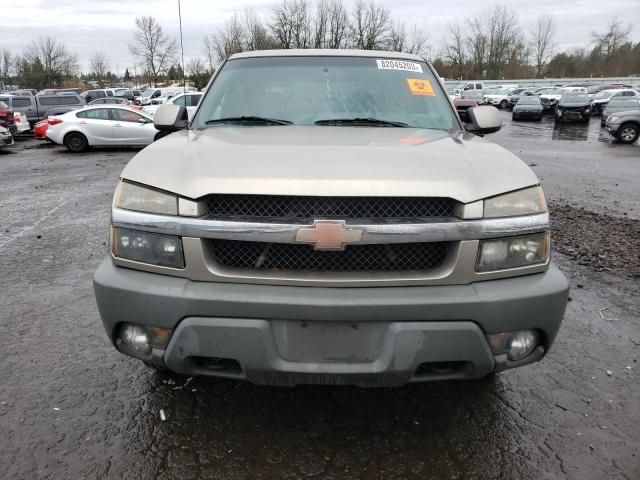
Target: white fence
<point>550,82</point>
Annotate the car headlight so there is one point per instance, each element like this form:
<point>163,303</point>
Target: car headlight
<point>522,202</point>
<point>613,119</point>
<point>147,247</point>
<point>513,252</point>
<point>131,196</point>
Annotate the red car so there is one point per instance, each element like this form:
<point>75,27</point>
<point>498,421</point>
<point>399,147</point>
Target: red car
<point>7,119</point>
<point>40,129</point>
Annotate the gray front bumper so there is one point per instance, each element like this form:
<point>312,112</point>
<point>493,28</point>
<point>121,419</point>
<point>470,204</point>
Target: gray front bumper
<point>365,336</point>
<point>613,128</point>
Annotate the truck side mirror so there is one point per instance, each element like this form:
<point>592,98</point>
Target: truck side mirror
<point>483,120</point>
<point>171,118</point>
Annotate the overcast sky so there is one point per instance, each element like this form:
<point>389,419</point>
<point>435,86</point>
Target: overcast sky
<point>86,26</point>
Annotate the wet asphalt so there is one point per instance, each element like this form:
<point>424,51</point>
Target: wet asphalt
<point>72,407</point>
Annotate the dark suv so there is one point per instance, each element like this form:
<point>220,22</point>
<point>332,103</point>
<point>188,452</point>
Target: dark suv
<point>573,106</point>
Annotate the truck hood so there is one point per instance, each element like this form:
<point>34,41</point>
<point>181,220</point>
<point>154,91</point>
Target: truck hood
<point>329,161</point>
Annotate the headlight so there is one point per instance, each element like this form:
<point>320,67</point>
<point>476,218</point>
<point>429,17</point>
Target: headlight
<point>146,247</point>
<point>613,119</point>
<point>143,199</point>
<point>523,202</point>
<point>513,252</point>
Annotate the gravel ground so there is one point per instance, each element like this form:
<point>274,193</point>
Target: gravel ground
<point>604,242</point>
<point>72,407</point>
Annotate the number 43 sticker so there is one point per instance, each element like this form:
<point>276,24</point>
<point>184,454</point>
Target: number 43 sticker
<point>419,86</point>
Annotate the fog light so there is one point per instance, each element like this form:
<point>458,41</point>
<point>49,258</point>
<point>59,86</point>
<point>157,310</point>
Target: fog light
<point>517,345</point>
<point>521,344</point>
<point>136,340</point>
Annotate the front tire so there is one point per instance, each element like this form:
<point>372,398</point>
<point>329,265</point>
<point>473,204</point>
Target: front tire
<point>628,133</point>
<point>76,142</point>
<point>504,104</point>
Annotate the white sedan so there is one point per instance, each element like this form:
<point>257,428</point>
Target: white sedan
<point>499,98</point>
<point>104,126</point>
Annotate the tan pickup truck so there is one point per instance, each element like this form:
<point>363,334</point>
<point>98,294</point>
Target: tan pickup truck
<point>326,217</point>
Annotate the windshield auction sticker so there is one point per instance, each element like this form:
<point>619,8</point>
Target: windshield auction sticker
<point>399,65</point>
<point>418,86</point>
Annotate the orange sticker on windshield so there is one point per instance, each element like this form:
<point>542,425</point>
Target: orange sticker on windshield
<point>420,87</point>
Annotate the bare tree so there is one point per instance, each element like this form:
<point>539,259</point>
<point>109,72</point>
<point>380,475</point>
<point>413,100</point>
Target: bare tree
<point>210,52</point>
<point>455,48</point>
<point>229,39</point>
<point>370,25</point>
<point>541,34</point>
<point>503,33</point>
<point>99,67</point>
<point>257,36</point>
<point>6,64</point>
<point>397,37</point>
<point>321,24</point>
<point>337,25</point>
<point>414,41</point>
<point>611,40</point>
<point>476,45</point>
<point>291,24</point>
<point>198,72</point>
<point>152,47</point>
<point>57,63</point>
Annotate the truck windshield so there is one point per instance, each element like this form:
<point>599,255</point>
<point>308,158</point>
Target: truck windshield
<point>315,90</point>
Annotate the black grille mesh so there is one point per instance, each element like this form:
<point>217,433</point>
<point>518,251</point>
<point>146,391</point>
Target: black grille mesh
<point>355,258</point>
<point>295,207</point>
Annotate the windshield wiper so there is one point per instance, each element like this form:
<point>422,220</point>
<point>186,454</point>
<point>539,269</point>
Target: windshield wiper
<point>249,119</point>
<point>361,121</point>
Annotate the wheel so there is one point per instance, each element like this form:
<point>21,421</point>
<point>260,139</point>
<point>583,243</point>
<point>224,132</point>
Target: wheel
<point>503,104</point>
<point>628,132</point>
<point>76,142</point>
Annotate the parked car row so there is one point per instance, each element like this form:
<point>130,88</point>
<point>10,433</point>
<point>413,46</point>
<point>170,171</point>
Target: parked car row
<point>619,108</point>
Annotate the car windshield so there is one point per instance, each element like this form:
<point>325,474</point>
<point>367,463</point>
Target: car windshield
<point>529,101</point>
<point>322,90</point>
<point>147,93</point>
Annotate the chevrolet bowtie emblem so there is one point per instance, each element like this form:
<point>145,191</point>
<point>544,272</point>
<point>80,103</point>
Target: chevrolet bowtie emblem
<point>329,235</point>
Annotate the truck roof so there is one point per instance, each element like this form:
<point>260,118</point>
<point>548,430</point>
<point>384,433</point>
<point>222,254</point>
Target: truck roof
<point>327,53</point>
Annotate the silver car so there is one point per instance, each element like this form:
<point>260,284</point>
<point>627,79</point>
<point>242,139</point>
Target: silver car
<point>6,139</point>
<point>326,218</point>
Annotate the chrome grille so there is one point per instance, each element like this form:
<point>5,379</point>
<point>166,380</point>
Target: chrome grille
<point>345,208</point>
<point>400,257</point>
